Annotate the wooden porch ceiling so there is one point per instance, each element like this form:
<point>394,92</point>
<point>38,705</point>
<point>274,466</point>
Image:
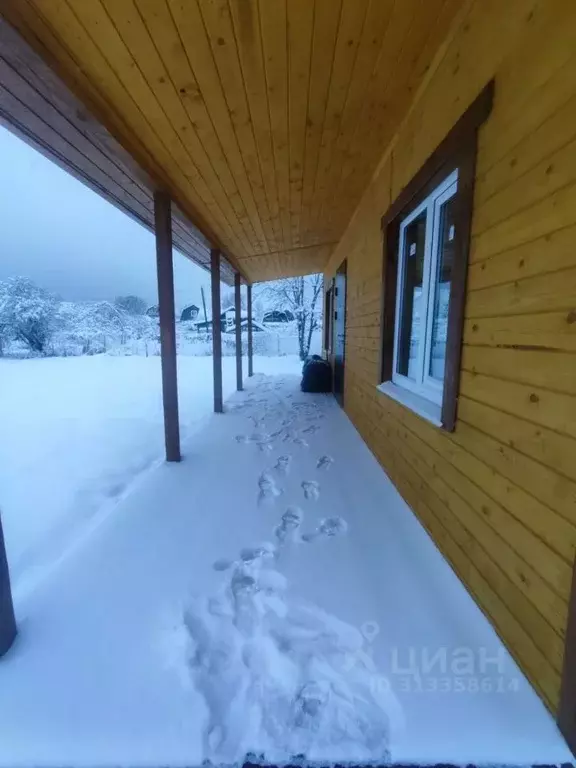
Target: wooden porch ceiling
<point>263,118</point>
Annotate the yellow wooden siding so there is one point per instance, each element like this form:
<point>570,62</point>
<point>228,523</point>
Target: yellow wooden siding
<point>263,118</point>
<point>499,494</point>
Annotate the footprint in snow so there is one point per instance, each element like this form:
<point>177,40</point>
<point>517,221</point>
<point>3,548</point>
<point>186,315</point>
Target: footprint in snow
<point>259,552</point>
<point>311,490</point>
<point>300,441</point>
<point>310,703</point>
<point>282,465</point>
<point>312,429</point>
<point>290,523</point>
<point>268,488</point>
<point>263,551</point>
<point>324,462</point>
<point>329,526</point>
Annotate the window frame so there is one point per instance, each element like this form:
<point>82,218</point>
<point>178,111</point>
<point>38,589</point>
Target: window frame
<point>426,386</point>
<point>457,152</point>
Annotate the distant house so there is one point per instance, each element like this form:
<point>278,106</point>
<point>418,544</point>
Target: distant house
<point>278,316</point>
<point>153,311</point>
<point>226,318</point>
<point>189,314</point>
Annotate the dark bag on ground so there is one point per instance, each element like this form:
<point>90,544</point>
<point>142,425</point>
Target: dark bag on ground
<point>316,375</point>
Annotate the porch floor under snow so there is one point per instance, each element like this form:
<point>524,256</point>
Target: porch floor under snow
<point>373,649</point>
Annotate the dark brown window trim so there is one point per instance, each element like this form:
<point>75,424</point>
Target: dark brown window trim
<point>567,706</point>
<point>457,150</point>
<point>328,315</point>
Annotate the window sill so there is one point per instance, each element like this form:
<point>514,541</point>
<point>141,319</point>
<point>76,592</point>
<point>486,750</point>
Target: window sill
<point>422,407</point>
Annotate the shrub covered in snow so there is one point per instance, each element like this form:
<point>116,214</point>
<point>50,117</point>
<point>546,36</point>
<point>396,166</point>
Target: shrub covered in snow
<point>99,326</point>
<point>28,314</point>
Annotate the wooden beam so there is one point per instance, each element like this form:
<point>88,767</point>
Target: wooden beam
<point>165,268</point>
<point>7,619</point>
<point>567,708</point>
<point>250,338</point>
<point>216,329</point>
<point>238,319</point>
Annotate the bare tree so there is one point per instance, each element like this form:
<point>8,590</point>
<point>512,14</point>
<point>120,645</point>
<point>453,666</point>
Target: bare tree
<point>299,295</point>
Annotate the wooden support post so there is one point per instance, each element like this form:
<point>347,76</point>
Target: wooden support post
<point>7,619</point>
<point>216,329</point>
<point>250,339</point>
<point>165,269</point>
<point>238,318</point>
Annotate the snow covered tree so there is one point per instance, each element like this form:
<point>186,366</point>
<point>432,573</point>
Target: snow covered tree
<point>133,305</point>
<point>6,332</point>
<point>228,299</point>
<point>299,295</point>
<point>27,313</point>
<point>95,323</point>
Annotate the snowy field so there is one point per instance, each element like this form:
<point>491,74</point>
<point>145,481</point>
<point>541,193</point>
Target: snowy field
<point>272,594</point>
<point>75,433</point>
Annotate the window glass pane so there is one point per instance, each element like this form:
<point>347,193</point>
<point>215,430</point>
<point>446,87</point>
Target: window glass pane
<point>442,281</point>
<point>412,301</point>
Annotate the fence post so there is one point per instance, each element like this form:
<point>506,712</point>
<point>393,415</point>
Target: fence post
<point>250,339</point>
<point>7,620</point>
<point>166,312</point>
<point>216,329</point>
<point>238,318</point>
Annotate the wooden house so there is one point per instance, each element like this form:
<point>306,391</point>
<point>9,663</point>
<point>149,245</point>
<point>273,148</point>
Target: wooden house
<point>422,155</point>
<point>189,313</point>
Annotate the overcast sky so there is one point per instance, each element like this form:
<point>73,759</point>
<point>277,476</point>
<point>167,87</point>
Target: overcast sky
<point>71,241</point>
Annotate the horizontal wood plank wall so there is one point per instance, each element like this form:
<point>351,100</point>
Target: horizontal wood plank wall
<point>499,494</point>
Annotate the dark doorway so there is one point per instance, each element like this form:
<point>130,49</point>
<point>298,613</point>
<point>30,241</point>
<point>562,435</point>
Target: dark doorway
<point>339,338</point>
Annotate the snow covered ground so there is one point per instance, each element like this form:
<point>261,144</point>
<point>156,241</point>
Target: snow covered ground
<point>271,594</point>
<point>75,432</point>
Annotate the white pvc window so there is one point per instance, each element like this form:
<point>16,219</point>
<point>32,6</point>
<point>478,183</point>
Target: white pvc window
<point>425,262</point>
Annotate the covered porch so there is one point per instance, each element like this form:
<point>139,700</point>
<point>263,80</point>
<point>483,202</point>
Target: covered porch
<point>420,155</point>
<point>107,671</point>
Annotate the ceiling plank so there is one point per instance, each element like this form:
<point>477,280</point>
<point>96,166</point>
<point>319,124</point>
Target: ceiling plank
<point>273,23</point>
<point>352,21</point>
<point>300,23</point>
<point>120,33</point>
<point>326,23</point>
<point>391,91</point>
<point>378,17</point>
<point>246,20</point>
<point>162,29</point>
<point>220,30</point>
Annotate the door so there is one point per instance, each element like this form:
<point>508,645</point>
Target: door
<point>339,338</point>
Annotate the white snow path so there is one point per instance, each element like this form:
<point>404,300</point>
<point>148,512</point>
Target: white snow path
<point>102,675</point>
